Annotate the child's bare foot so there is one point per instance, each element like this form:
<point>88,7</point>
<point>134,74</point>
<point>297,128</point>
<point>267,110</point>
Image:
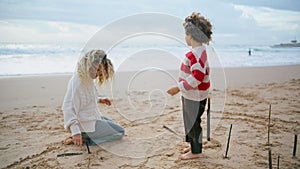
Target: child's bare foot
<point>185,150</point>
<point>189,155</point>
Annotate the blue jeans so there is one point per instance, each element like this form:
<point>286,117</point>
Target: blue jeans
<point>105,130</point>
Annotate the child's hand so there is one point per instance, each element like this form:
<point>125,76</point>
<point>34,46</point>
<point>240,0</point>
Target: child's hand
<point>173,91</point>
<point>105,101</point>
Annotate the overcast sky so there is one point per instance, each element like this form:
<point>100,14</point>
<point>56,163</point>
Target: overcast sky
<point>234,21</point>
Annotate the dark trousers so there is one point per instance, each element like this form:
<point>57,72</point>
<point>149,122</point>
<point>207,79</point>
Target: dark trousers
<point>192,112</point>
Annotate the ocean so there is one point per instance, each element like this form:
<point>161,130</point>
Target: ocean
<point>18,59</point>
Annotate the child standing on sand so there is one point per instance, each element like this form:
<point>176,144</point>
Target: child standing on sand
<point>81,114</point>
<point>194,82</point>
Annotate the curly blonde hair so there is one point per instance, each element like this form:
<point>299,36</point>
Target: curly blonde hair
<point>198,27</point>
<point>106,71</point>
<point>92,62</point>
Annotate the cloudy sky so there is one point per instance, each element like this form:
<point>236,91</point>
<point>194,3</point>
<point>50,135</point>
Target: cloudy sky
<point>235,21</point>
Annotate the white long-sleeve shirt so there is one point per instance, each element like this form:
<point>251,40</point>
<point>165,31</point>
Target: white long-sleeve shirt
<point>194,81</point>
<point>80,107</point>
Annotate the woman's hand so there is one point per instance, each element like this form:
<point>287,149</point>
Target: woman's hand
<point>105,101</point>
<point>77,140</point>
<point>173,91</point>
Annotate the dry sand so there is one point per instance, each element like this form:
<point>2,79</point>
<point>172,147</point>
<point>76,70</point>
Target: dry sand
<point>32,121</point>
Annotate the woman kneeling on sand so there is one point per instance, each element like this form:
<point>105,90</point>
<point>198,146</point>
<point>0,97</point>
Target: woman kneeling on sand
<point>81,114</point>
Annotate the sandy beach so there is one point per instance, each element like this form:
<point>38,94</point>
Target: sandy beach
<point>32,121</point>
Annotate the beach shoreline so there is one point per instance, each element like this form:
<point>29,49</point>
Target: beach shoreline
<point>28,90</point>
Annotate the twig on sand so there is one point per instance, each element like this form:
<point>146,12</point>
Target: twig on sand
<point>68,154</point>
<point>172,131</point>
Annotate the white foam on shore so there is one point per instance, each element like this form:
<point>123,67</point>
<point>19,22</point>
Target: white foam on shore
<point>42,59</point>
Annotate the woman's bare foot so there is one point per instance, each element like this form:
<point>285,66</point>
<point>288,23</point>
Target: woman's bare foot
<point>185,150</point>
<point>189,155</point>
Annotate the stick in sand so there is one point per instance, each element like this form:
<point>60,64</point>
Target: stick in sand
<point>87,146</point>
<point>269,125</point>
<point>228,142</point>
<point>278,161</point>
<point>295,146</point>
<point>270,153</point>
<point>270,159</point>
<point>208,119</point>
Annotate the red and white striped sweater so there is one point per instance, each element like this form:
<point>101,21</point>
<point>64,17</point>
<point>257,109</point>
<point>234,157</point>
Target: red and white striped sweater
<point>194,81</point>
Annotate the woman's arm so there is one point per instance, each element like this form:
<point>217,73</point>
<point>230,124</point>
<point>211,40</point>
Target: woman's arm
<point>70,109</point>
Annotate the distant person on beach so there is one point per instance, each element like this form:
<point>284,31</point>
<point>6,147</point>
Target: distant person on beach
<point>249,51</point>
<point>194,82</point>
<point>81,114</point>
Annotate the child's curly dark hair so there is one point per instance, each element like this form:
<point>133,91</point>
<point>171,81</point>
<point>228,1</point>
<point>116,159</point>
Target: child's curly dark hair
<point>198,27</point>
